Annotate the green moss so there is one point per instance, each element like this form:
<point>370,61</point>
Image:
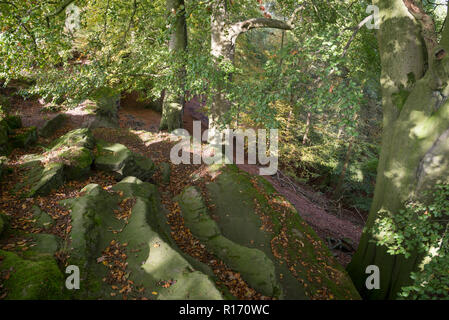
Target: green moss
<point>75,138</point>
<point>78,161</point>
<point>52,125</point>
<point>254,266</point>
<point>118,159</point>
<point>32,280</point>
<point>133,187</point>
<point>50,178</point>
<point>43,219</point>
<point>13,122</point>
<point>235,199</point>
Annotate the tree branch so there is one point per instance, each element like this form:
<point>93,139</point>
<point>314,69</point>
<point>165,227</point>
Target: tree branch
<point>356,30</point>
<point>244,26</point>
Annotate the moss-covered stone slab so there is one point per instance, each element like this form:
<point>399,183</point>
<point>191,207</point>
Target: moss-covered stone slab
<point>31,279</point>
<point>75,151</point>
<point>152,255</point>
<point>51,177</point>
<point>251,213</point>
<point>52,125</point>
<point>76,138</point>
<point>43,219</point>
<point>118,159</point>
<point>134,187</point>
<point>254,266</point>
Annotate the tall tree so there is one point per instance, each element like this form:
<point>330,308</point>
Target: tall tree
<point>174,102</point>
<point>224,34</point>
<point>415,145</point>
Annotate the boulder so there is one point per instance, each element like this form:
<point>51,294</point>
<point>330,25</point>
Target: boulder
<point>250,214</point>
<point>34,278</point>
<point>118,159</point>
<point>47,179</point>
<point>152,255</point>
<point>254,266</point>
<point>43,219</point>
<point>52,125</point>
<point>75,151</point>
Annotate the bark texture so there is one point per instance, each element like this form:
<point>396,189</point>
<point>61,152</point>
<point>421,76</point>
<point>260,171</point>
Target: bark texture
<point>415,145</point>
<point>173,105</point>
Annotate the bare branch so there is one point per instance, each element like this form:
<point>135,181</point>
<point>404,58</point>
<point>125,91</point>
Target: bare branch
<point>356,30</point>
<point>244,26</point>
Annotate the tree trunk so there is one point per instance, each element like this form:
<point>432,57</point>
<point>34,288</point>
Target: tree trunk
<point>173,104</point>
<point>415,142</point>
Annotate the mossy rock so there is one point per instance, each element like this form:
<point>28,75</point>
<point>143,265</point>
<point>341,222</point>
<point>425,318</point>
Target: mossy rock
<point>76,138</point>
<point>75,151</point>
<point>52,125</point>
<point>241,200</point>
<point>133,187</point>
<point>254,266</point>
<point>45,244</point>
<point>38,279</point>
<point>250,214</point>
<point>49,178</point>
<point>154,256</point>
<point>43,219</point>
<point>24,137</point>
<point>77,162</point>
<point>118,159</point>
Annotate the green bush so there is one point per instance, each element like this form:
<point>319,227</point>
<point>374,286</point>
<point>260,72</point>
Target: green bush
<point>421,228</point>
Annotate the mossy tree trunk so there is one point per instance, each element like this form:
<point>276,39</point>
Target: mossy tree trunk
<point>173,104</point>
<point>415,143</point>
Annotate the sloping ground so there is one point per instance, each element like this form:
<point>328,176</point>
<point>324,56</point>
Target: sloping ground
<point>186,232</point>
<point>286,258</point>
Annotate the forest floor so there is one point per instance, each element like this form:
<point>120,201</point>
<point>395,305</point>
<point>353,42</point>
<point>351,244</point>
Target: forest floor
<point>332,224</point>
